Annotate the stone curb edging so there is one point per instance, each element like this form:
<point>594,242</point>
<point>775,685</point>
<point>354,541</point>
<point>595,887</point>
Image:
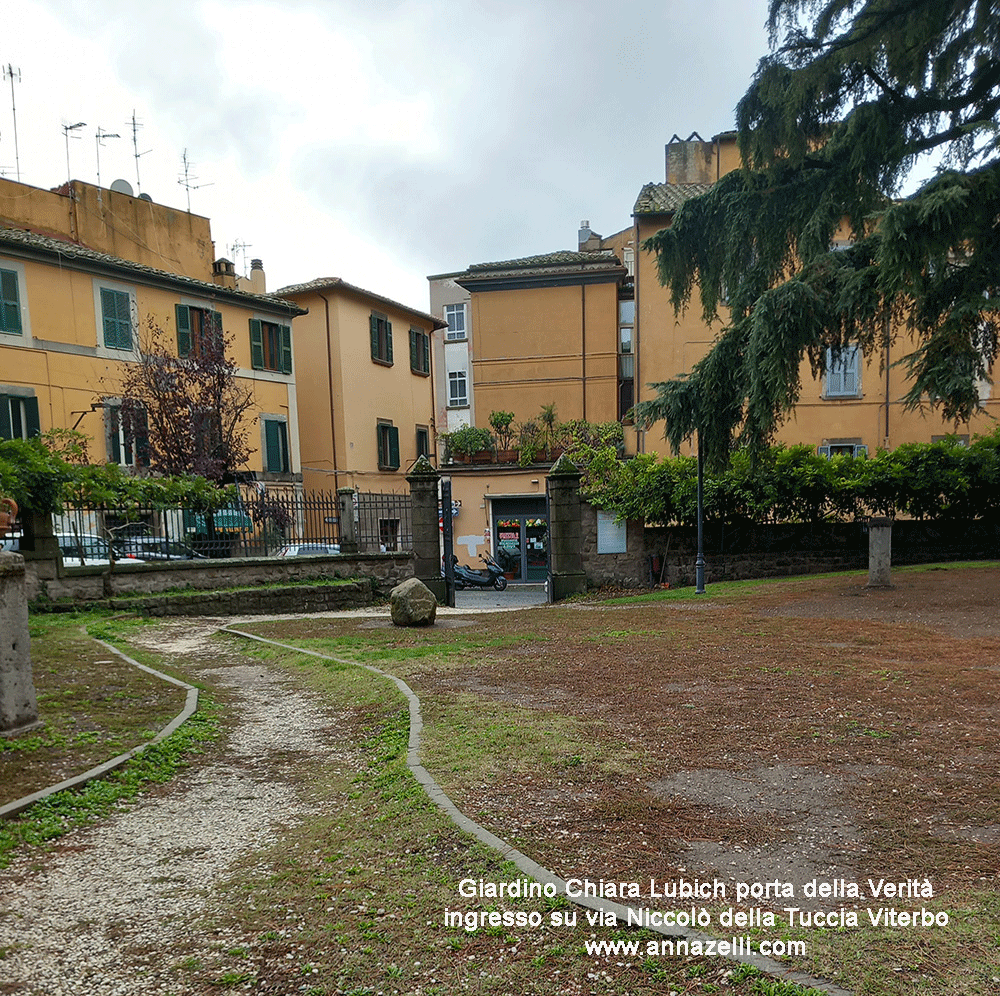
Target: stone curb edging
<point>190,706</point>
<point>521,860</point>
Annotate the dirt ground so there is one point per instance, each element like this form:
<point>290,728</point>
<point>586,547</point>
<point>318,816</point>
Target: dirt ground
<point>806,729</point>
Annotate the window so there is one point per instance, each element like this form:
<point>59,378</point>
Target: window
<point>116,318</point>
<point>458,389</point>
<point>626,358</point>
<point>10,303</point>
<point>423,441</point>
<point>842,447</point>
<point>381,335</point>
<point>128,445</point>
<point>275,445</point>
<point>420,352</point>
<point>388,446</point>
<point>198,329</point>
<point>270,346</point>
<point>18,416</point>
<point>454,315</point>
<point>628,260</point>
<point>843,372</point>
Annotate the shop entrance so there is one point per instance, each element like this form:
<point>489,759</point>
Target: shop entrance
<point>521,538</point>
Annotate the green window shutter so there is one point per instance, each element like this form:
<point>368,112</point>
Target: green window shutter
<point>10,304</point>
<point>272,443</point>
<point>414,363</point>
<point>141,432</point>
<point>256,345</point>
<point>373,326</point>
<point>217,327</point>
<point>426,344</point>
<point>183,313</point>
<point>32,425</point>
<point>114,421</point>
<point>6,430</point>
<point>394,447</point>
<point>286,349</point>
<point>381,437</point>
<point>116,312</point>
<point>388,341</point>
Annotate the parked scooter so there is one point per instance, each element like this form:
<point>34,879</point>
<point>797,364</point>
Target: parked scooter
<point>468,577</point>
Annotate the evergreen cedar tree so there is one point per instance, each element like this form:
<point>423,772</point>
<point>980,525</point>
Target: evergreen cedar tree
<point>853,94</point>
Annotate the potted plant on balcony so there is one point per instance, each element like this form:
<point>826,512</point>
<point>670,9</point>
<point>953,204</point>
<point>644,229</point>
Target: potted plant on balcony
<point>468,443</point>
<point>503,431</point>
<point>529,443</point>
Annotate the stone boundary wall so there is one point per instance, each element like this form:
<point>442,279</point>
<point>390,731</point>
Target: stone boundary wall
<point>88,585</point>
<point>780,550</point>
<point>244,602</point>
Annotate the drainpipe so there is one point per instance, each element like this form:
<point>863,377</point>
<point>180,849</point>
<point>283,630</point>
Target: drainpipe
<point>329,370</point>
<point>583,345</point>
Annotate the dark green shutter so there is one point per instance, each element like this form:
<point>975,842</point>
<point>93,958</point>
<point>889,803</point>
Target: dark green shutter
<point>272,443</point>
<point>114,422</point>
<point>394,447</point>
<point>6,431</point>
<point>286,349</point>
<point>373,327</point>
<point>426,344</point>
<point>10,304</point>
<point>388,341</point>
<point>32,425</point>
<point>141,431</point>
<point>117,315</point>
<point>414,362</point>
<point>380,435</point>
<point>216,320</point>
<point>183,313</point>
<point>256,345</point>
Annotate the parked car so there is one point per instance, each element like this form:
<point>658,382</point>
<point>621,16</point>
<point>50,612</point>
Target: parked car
<point>95,550</point>
<point>308,550</point>
<point>154,548</point>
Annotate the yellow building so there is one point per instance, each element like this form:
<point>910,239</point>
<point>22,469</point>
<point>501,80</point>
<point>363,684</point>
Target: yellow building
<point>365,390</point>
<point>83,273</point>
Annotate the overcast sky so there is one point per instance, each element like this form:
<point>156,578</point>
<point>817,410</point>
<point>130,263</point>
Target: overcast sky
<point>377,141</point>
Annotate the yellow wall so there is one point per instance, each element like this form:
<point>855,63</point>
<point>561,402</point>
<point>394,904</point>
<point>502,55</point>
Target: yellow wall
<point>63,357</point>
<point>544,345</point>
<point>363,391</point>
<point>127,227</point>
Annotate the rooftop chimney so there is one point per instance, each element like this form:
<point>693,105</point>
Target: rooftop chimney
<point>587,240</point>
<point>690,160</point>
<point>224,273</point>
<point>257,280</point>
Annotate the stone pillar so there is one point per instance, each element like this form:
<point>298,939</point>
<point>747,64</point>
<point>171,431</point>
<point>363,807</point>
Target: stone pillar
<point>348,525</point>
<point>566,573</point>
<point>18,705</point>
<point>879,552</point>
<point>423,480</point>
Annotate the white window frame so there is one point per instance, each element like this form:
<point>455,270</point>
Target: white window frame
<point>841,447</point>
<point>114,285</point>
<point>839,365</point>
<point>460,308</point>
<point>455,378</point>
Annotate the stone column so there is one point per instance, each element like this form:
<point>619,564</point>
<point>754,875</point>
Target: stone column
<point>423,480</point>
<point>879,552</point>
<point>566,573</point>
<point>348,525</point>
<point>18,705</point>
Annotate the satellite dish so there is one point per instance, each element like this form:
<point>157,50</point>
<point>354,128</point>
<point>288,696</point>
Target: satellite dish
<point>145,197</point>
<point>122,187</point>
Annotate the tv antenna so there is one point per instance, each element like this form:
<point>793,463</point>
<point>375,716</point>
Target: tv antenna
<point>101,136</point>
<point>136,125</point>
<point>240,247</point>
<point>187,180</point>
<point>70,131</point>
<point>14,75</point>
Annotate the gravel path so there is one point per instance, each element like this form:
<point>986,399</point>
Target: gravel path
<point>140,879</point>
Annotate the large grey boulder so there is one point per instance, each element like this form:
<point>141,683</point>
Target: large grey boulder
<point>412,603</point>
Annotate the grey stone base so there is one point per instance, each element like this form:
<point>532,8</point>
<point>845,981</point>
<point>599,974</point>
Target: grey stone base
<point>563,585</point>
<point>20,731</point>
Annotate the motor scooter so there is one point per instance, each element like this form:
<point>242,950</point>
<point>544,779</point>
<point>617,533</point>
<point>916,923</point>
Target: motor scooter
<point>468,577</point>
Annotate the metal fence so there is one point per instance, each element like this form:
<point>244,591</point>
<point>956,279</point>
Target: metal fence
<point>258,524</point>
